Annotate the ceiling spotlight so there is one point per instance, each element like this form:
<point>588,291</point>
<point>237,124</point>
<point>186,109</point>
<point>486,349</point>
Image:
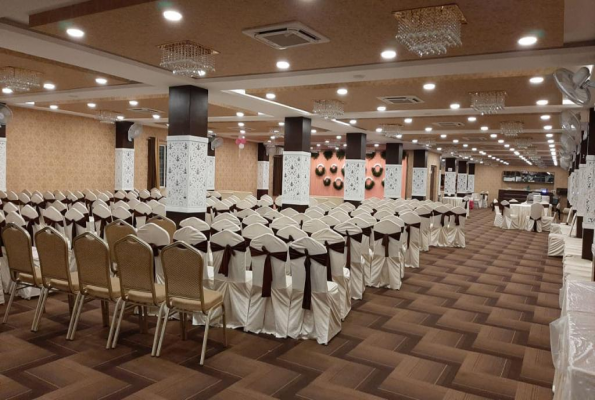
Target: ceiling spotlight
<point>281,123</point>
<point>438,148</point>
<point>428,129</point>
<point>240,124</point>
<point>342,91</point>
<point>353,121</point>
<point>6,90</point>
<point>156,116</point>
<point>101,81</point>
<point>414,141</point>
<point>507,145</point>
<point>313,131</point>
<point>494,135</point>
<point>542,102</point>
<point>273,137</point>
<point>54,107</point>
<point>239,114</point>
<point>344,144</point>
<point>338,137</point>
<point>376,145</point>
<point>30,103</point>
<point>271,96</point>
<point>465,145</point>
<point>326,141</point>
<point>381,108</point>
<point>172,15</point>
<point>443,136</point>
<point>549,135</point>
<point>550,141</point>
<point>388,54</point>
<point>408,120</point>
<point>242,131</point>
<point>484,128</point>
<point>75,33</point>
<point>317,144</point>
<point>283,64</point>
<point>455,106</point>
<point>547,127</point>
<point>378,130</point>
<point>91,105</point>
<point>133,103</point>
<point>527,41</point>
<point>545,117</point>
<point>429,86</point>
<point>399,136</point>
<point>536,80</point>
<point>552,145</point>
<point>516,153</point>
<point>501,141</point>
<point>120,117</point>
<point>49,86</point>
<point>472,119</point>
<point>455,141</point>
<point>474,149</point>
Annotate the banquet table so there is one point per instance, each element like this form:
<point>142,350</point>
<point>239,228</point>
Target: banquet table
<point>453,201</point>
<point>523,210</point>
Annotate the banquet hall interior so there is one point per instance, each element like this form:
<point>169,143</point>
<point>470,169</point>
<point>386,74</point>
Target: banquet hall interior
<point>315,199</point>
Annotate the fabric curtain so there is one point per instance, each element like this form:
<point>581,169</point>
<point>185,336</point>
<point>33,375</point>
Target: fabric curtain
<point>153,172</point>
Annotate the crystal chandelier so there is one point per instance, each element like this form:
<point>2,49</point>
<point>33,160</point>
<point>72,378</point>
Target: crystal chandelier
<point>107,117</point>
<point>488,102</point>
<point>453,151</point>
<point>427,142</point>
<point>511,128</point>
<point>523,144</point>
<point>19,79</point>
<point>276,132</point>
<point>391,130</point>
<point>187,58</point>
<point>431,30</point>
<point>329,109</point>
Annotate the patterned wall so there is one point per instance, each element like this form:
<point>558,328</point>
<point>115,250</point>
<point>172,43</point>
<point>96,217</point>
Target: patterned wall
<point>237,169</point>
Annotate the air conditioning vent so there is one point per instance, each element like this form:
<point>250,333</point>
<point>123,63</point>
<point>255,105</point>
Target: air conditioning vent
<point>284,36</point>
<point>449,124</point>
<point>401,100</point>
<point>144,110</point>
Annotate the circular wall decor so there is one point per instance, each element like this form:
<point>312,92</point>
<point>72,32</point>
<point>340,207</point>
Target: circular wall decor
<point>320,170</point>
<point>326,181</point>
<point>333,169</point>
<point>338,184</point>
<point>377,170</point>
<point>369,183</point>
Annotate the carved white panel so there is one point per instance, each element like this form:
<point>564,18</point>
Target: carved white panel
<point>124,169</point>
<point>211,161</point>
<point>355,180</point>
<point>262,177</point>
<point>3,164</point>
<point>187,172</point>
<point>393,184</point>
<point>462,183</point>
<point>450,183</point>
<point>296,177</point>
<point>582,190</point>
<point>589,193</point>
<point>571,188</point>
<point>578,190</point>
<point>470,183</point>
<point>420,176</point>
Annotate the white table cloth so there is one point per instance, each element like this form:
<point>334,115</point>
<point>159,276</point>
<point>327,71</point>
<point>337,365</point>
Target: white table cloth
<point>453,201</point>
<point>522,211</point>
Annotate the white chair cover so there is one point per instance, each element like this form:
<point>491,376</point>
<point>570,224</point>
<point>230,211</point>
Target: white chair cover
<point>157,238</point>
<point>425,215</point>
<point>440,219</point>
<point>254,219</point>
<point>75,224</point>
<point>123,214</point>
<point>412,239</point>
<point>314,213</point>
<point>386,268</point>
<point>367,250</point>
<point>456,227</point>
<point>102,216</point>
<point>196,239</point>
<point>252,231</point>
<point>142,212</point>
<point>533,221</point>
<point>313,225</point>
<point>227,216</point>
<point>353,254</point>
<point>330,220</point>
<point>282,222</point>
<point>291,233</point>
<point>289,212</point>
<point>225,225</point>
<point>53,218</point>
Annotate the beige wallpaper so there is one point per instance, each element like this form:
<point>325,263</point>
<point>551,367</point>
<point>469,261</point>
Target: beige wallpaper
<point>236,169</point>
<point>141,154</point>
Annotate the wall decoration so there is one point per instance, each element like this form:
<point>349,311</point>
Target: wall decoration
<point>340,154</point>
<point>462,183</point>
<point>470,183</point>
<point>419,185</point>
<point>333,169</point>
<point>371,155</point>
<point>369,183</point>
<point>320,170</point>
<point>338,184</point>
<point>383,154</point>
<point>314,155</point>
<point>343,170</point>
<point>377,170</point>
<point>211,173</point>
<point>186,173</point>
<point>354,180</point>
<point>393,181</point>
<point>327,181</point>
<point>327,154</point>
<point>262,179</point>
<point>589,193</point>
<point>450,183</point>
<point>124,167</point>
<point>296,177</point>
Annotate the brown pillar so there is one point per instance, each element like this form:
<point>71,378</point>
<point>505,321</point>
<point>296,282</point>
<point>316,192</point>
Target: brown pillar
<point>420,175</point>
<point>393,173</point>
<point>582,160</point>
<point>355,169</point>
<point>3,157</point>
<point>462,179</point>
<point>124,157</point>
<point>470,178</point>
<point>296,163</point>
<point>262,176</point>
<point>187,154</point>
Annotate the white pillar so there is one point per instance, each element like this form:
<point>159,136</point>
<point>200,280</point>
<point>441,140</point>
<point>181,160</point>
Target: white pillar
<point>124,179</point>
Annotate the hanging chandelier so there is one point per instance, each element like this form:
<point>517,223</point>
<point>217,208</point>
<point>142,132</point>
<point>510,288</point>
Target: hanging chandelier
<point>19,79</point>
<point>329,109</point>
<point>430,30</point>
<point>107,117</point>
<point>453,151</point>
<point>187,58</point>
<point>523,144</point>
<point>511,128</point>
<point>427,142</point>
<point>391,130</point>
<point>488,102</point>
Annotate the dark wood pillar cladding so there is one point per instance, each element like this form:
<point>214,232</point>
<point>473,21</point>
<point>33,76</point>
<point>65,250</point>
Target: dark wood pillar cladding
<point>420,160</point>
<point>581,159</point>
<point>471,169</point>
<point>262,156</point>
<point>356,150</point>
<point>188,116</point>
<point>297,138</point>
<point>122,141</point>
<point>462,170</point>
<point>588,232</point>
<point>2,131</point>
<point>394,153</point>
<point>450,164</point>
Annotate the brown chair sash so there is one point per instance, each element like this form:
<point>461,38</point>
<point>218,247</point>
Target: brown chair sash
<point>288,240</point>
<point>2,226</point>
<point>102,223</point>
<point>348,238</point>
<point>228,252</point>
<point>386,240</point>
<point>339,248</point>
<point>202,246</point>
<point>29,223</point>
<point>52,223</point>
<point>320,259</point>
<point>267,275</point>
<point>445,214</point>
<point>367,231</point>
<point>81,222</point>
<point>408,230</point>
<point>535,223</point>
<point>156,249</point>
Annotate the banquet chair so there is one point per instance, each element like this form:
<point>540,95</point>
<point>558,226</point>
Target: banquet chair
<point>80,207</point>
<point>133,203</point>
<point>340,215</point>
<point>11,207</point>
<point>336,266</point>
<point>346,206</point>
<point>265,201</point>
<point>438,227</point>
<point>324,207</point>
<point>242,205</point>
<point>48,198</point>
<point>16,218</point>
<point>186,294</point>
<point>24,274</point>
<point>60,206</point>
<point>131,195</point>
<point>268,310</point>
<point>263,210</point>
<point>227,216</point>
<point>254,219</point>
<point>425,214</point>
<point>313,225</point>
<point>533,221</point>
<point>157,238</point>
<point>102,216</point>
<point>547,221</point>
<point>123,214</point>
<point>245,213</point>
<point>366,225</point>
<point>5,281</point>
<point>313,213</point>
<point>23,199</point>
<point>89,199</point>
<point>253,231</point>
<point>224,225</point>
<point>360,211</point>
<point>330,220</point>
<point>136,269</point>
<point>282,222</point>
<point>413,230</point>
<point>301,218</point>
<point>165,223</point>
<point>36,201</point>
<point>114,232</point>
<point>122,204</point>
<point>498,217</point>
<point>290,234</point>
<point>289,212</point>
<point>386,266</point>
<point>272,215</point>
<point>159,209</point>
<point>353,257</point>
<point>220,207</point>
<point>456,228</point>
<point>381,214</point>
<point>199,242</point>
<point>279,202</point>
<point>142,212</point>
<point>144,195</point>
<point>197,224</point>
<point>75,224</point>
<point>510,220</point>
<point>54,261</point>
<point>315,306</point>
<point>231,278</point>
<point>32,220</point>
<point>52,217</point>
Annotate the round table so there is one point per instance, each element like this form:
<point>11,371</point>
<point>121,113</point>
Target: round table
<point>523,210</point>
<point>453,201</point>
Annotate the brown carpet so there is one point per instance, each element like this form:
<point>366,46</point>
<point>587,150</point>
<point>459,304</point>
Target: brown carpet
<point>469,324</point>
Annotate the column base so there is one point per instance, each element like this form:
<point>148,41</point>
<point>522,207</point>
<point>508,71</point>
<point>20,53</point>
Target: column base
<point>587,254</point>
<point>418,197</point>
<point>178,217</point>
<point>261,192</point>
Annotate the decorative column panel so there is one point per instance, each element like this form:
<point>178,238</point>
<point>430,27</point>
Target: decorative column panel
<point>296,163</point>
<point>450,177</point>
<point>470,178</point>
<point>211,162</point>
<point>588,176</point>
<point>187,154</point>
<point>462,179</point>
<point>124,157</point>
<point>393,174</point>
<point>420,175</point>
<point>355,169</point>
<point>580,185</point>
<point>262,177</point>
<point>3,157</point>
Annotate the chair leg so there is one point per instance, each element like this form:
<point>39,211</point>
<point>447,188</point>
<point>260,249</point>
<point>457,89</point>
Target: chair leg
<point>224,325</point>
<point>41,304</point>
<point>73,315</point>
<point>13,290</point>
<point>113,324</point>
<point>204,341</point>
<point>79,309</point>
<point>117,332</point>
<point>165,319</point>
<point>157,332</point>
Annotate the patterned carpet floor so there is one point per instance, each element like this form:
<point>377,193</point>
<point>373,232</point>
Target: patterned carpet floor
<point>469,324</point>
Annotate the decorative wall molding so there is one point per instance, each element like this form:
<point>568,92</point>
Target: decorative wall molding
<point>296,177</point>
<point>355,179</point>
<point>211,162</point>
<point>450,183</point>
<point>470,183</point>
<point>419,185</point>
<point>3,164</point>
<point>393,184</point>
<point>187,170</point>
<point>462,183</point>
<point>262,178</point>
<point>589,193</point>
<point>124,160</point>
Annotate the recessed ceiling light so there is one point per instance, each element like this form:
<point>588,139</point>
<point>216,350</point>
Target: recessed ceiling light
<point>318,145</point>
<point>500,141</point>
<point>474,149</point>
<point>512,149</point>
<point>443,136</point>
<point>376,145</point>
<point>281,123</point>
<point>465,145</point>
<point>6,90</point>
<point>484,128</point>
<point>455,106</point>
<point>353,121</point>
<point>273,137</point>
<point>429,86</point>
<point>133,103</point>
<point>399,136</point>
<point>342,91</point>
<point>542,102</point>
<point>381,108</point>
<point>408,120</point>
<point>536,80</point>
<point>338,136</point>
<point>75,33</point>
<point>283,64</point>
<point>242,131</point>
<point>414,141</point>
<point>271,96</point>
<point>388,54</point>
<point>54,107</point>
<point>527,41</point>
<point>240,124</point>
<point>172,15</point>
<point>428,129</point>
<point>494,135</point>
<point>550,141</point>
<point>240,114</point>
<point>472,119</point>
<point>438,148</point>
<point>552,145</point>
<point>326,141</point>
<point>101,81</point>
<point>455,141</point>
<point>507,145</point>
<point>378,130</point>
<point>313,131</point>
<point>545,117</point>
<point>49,86</point>
<point>344,144</point>
<point>547,127</point>
<point>549,135</point>
<point>156,116</point>
<point>30,103</point>
<point>91,105</point>
<point>120,117</point>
